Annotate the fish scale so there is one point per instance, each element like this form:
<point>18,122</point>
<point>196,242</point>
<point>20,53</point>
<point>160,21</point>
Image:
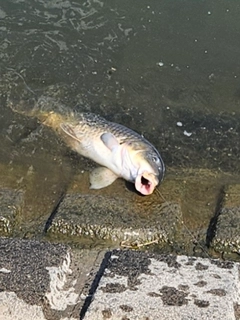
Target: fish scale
<point>121,132</point>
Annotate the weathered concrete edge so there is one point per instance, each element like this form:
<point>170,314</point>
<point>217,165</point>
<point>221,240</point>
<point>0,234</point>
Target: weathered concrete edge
<point>69,301</point>
<point>138,285</point>
<point>222,234</point>
<point>44,281</point>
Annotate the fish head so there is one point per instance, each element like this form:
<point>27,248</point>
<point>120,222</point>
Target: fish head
<point>151,171</point>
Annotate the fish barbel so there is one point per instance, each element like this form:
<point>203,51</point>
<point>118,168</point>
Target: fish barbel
<point>120,151</point>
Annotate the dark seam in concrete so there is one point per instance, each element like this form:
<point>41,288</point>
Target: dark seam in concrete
<point>54,212</point>
<point>211,231</point>
<point>95,284</point>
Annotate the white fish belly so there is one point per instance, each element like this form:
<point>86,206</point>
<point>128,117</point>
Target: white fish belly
<point>96,150</point>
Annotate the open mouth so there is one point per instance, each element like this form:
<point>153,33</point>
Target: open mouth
<point>145,183</point>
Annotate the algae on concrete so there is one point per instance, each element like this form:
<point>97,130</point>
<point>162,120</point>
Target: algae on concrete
<point>116,219</point>
<point>227,224</point>
<point>11,202</point>
<point>40,280</point>
<point>176,216</point>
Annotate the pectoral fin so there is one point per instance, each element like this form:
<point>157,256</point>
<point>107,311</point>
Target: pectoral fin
<point>101,177</point>
<point>72,132</point>
<point>109,140</point>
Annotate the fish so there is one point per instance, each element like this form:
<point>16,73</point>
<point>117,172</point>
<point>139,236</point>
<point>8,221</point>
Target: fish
<point>120,152</point>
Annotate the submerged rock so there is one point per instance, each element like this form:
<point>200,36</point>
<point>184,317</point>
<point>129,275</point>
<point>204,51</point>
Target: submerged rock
<point>227,224</point>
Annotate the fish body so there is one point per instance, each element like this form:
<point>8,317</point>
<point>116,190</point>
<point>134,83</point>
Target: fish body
<point>122,152</point>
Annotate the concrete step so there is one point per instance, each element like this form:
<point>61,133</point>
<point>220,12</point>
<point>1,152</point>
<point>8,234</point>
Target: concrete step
<point>44,281</point>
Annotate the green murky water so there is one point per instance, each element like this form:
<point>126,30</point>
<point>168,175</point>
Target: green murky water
<point>168,69</point>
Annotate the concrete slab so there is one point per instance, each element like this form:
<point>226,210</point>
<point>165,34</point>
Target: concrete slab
<point>39,280</point>
<point>227,225</point>
<point>44,281</point>
<point>136,285</point>
<point>130,220</point>
<point>175,218</point>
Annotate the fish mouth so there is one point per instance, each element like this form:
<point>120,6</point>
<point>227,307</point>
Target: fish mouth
<point>145,183</point>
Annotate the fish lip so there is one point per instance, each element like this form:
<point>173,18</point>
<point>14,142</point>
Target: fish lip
<point>146,182</point>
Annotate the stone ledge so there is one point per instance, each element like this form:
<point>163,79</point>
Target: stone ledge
<point>227,225</point>
<point>136,285</point>
<point>43,281</point>
<point>116,219</point>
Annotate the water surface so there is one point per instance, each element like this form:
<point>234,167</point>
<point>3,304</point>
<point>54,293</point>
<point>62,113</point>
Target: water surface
<point>167,69</point>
